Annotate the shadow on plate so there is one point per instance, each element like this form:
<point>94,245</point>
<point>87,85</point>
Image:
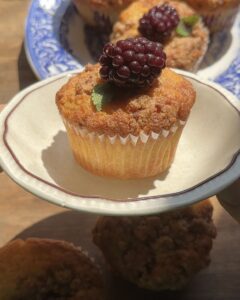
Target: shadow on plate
<point>76,228</point>
<point>66,173</point>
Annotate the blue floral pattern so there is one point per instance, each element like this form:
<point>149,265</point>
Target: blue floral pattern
<point>47,55</point>
<point>49,52</point>
<point>230,79</point>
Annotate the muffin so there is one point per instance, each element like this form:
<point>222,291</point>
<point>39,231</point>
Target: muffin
<point>161,252</point>
<point>93,10</point>
<point>47,269</point>
<point>185,50</point>
<point>218,15</point>
<point>134,135</point>
<point>99,17</point>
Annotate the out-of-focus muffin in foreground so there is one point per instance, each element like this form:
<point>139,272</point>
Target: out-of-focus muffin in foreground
<point>41,269</point>
<point>161,252</point>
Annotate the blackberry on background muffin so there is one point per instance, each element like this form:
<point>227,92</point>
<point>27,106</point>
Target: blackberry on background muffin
<point>218,15</point>
<point>184,49</point>
<point>136,132</point>
<point>159,252</point>
<point>41,269</point>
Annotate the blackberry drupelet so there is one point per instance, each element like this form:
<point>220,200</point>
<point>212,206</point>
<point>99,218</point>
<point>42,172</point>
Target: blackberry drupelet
<point>134,62</point>
<point>159,22</point>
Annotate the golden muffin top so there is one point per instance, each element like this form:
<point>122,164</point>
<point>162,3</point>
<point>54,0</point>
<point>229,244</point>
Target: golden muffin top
<point>158,107</point>
<point>182,52</point>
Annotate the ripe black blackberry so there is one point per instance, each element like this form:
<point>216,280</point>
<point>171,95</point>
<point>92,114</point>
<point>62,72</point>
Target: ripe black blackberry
<point>159,22</point>
<point>132,62</point>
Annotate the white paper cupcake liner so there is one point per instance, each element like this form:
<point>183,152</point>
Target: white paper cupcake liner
<point>132,156</point>
<point>143,137</point>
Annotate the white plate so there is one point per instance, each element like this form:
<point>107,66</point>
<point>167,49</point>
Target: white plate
<point>34,151</point>
<point>54,43</point>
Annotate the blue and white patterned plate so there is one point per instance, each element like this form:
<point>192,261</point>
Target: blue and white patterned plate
<point>54,43</point>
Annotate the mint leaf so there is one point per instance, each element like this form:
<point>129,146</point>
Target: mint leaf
<point>186,24</point>
<point>190,20</point>
<point>182,29</point>
<point>102,93</point>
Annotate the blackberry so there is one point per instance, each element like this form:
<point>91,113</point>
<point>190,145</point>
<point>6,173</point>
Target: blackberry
<point>159,22</point>
<point>132,62</point>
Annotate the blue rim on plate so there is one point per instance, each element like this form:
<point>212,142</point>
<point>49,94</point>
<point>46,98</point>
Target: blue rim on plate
<point>49,53</point>
<point>45,53</point>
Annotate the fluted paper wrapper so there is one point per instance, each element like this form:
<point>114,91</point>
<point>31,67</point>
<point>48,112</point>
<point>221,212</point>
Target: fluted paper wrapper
<point>220,20</point>
<point>124,157</point>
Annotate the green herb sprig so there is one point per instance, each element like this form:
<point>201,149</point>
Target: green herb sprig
<point>102,94</point>
<point>186,25</point>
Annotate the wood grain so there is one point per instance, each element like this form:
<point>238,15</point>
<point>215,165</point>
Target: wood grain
<point>15,72</point>
<point>23,215</point>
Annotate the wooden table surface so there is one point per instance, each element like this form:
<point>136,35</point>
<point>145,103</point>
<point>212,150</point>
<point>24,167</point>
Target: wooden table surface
<point>23,215</point>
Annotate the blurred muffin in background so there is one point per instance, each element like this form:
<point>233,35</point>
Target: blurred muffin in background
<point>44,269</point>
<point>99,16</point>
<point>92,10</point>
<point>218,15</point>
<point>186,41</point>
<point>160,252</point>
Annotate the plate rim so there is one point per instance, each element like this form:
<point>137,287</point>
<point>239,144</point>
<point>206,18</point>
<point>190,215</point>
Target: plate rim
<point>17,100</point>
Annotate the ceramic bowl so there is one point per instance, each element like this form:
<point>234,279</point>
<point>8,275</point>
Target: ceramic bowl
<point>34,152</point>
